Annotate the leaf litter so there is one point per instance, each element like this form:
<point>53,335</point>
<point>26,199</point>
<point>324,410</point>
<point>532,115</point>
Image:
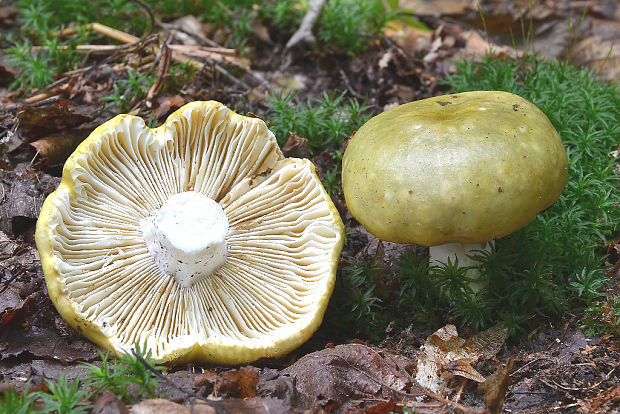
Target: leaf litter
<point>557,368</point>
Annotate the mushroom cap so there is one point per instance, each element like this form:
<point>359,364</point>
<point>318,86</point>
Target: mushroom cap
<point>282,242</point>
<point>461,168</point>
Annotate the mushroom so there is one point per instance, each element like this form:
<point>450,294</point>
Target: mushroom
<point>196,238</point>
<point>453,172</point>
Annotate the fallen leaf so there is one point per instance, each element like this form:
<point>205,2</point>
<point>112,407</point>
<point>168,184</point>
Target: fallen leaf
<point>495,387</point>
<point>607,402</point>
<point>22,200</point>
<point>186,30</point>
<point>108,403</point>
<point>414,40</point>
<point>296,146</point>
<point>346,373</point>
<point>384,407</point>
<point>20,281</point>
<point>47,343</point>
<point>601,55</point>
<point>239,383</point>
<point>7,13</point>
<point>478,46</point>
<point>57,147</point>
<point>445,354</point>
<point>488,342</point>
<point>38,121</point>
<point>167,104</point>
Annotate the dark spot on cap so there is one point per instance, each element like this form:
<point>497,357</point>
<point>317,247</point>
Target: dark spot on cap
<point>410,191</point>
<point>515,107</point>
<point>500,190</point>
<point>443,103</point>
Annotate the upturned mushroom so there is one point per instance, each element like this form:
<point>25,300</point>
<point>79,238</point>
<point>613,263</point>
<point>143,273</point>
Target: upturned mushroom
<point>453,172</point>
<point>196,239</point>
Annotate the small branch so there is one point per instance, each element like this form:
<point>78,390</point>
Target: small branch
<point>353,92</point>
<point>165,55</point>
<point>113,33</point>
<point>304,33</point>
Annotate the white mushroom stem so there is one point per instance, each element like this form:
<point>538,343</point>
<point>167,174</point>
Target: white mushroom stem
<point>439,255</point>
<point>187,237</point>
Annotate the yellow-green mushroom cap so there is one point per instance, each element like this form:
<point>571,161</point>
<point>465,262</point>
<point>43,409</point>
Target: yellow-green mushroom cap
<point>196,239</point>
<point>461,168</point>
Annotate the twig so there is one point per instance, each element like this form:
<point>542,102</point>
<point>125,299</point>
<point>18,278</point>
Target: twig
<point>529,363</point>
<point>7,282</point>
<point>113,33</point>
<point>584,388</point>
<point>551,409</point>
<point>231,77</point>
<point>344,77</point>
<point>304,32</point>
<point>457,398</point>
<point>34,101</point>
<point>165,54</point>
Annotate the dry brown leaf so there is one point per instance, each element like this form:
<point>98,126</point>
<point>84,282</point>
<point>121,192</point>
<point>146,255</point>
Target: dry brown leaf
<point>607,402</point>
<point>476,45</point>
<point>38,121</point>
<point>296,147</point>
<point>57,147</point>
<point>108,403</point>
<point>22,198</point>
<point>412,39</point>
<point>488,342</point>
<point>464,368</point>
<point>186,30</point>
<point>601,55</point>
<point>236,383</point>
<point>239,383</point>
<point>495,387</point>
<point>351,372</point>
<point>445,354</point>
<point>167,104</point>
<point>7,13</point>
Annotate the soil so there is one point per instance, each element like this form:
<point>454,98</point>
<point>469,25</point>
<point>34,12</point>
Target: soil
<point>556,368</point>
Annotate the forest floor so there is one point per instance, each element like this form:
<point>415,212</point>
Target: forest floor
<point>555,368</point>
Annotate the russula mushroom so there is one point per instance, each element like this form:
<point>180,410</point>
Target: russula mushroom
<point>196,238</point>
<point>453,172</point>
